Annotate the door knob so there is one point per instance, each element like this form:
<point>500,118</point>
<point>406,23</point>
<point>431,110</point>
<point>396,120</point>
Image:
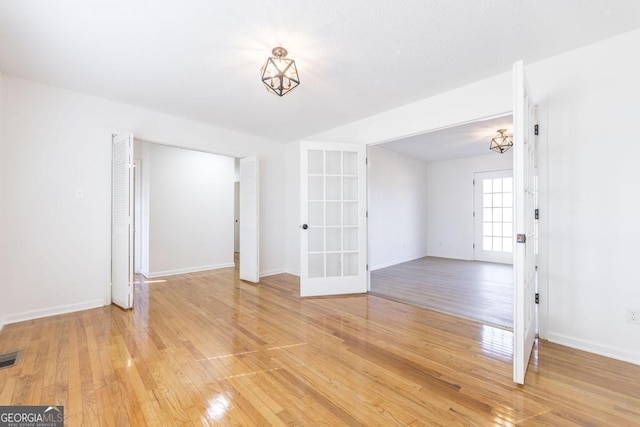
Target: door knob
<point>305,226</point>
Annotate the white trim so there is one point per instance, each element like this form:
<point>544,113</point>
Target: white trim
<point>593,347</point>
<point>392,263</point>
<point>249,217</point>
<point>386,264</point>
<point>430,129</point>
<point>272,272</point>
<point>52,311</point>
<point>542,113</point>
<point>293,273</point>
<point>189,270</point>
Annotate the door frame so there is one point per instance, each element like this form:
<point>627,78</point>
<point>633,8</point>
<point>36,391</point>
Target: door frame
<point>542,148</point>
<point>107,300</point>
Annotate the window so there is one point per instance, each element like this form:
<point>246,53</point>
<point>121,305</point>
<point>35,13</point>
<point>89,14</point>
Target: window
<point>497,214</point>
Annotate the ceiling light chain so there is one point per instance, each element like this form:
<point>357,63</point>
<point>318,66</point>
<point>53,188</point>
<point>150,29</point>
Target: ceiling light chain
<point>280,74</point>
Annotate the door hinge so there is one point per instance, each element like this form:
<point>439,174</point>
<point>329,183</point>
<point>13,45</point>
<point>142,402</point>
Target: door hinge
<point>537,298</point>
<point>366,214</point>
<point>535,130</point>
<point>474,214</point>
<point>367,267</point>
<point>537,214</point>
<point>474,246</point>
<point>366,160</point>
<point>474,182</point>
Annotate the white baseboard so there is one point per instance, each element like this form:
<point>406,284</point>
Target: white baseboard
<point>592,347</point>
<point>271,272</point>
<point>52,311</point>
<point>384,265</point>
<point>1,324</point>
<point>293,273</point>
<point>188,270</point>
<point>396,262</point>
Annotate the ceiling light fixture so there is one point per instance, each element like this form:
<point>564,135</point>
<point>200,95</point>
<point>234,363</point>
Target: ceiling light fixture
<point>501,142</point>
<point>279,74</point>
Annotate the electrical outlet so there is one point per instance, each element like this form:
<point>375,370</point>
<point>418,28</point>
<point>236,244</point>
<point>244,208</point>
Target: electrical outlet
<point>633,315</point>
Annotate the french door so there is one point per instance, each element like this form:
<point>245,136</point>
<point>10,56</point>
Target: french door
<point>333,212</point>
<point>524,188</point>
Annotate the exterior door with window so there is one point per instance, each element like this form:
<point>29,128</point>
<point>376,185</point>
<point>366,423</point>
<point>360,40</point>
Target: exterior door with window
<point>493,216</point>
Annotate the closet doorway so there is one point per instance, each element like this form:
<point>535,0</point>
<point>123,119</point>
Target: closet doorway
<point>184,212</point>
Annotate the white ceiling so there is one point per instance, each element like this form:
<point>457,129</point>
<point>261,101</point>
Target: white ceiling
<point>201,59</point>
<point>467,140</point>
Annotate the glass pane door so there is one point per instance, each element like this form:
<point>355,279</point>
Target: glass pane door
<point>333,215</point>
<point>494,216</point>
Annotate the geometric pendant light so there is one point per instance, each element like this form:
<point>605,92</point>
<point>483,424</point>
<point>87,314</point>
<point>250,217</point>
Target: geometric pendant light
<point>279,74</point>
<point>501,142</point>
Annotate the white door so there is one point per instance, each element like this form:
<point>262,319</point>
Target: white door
<point>249,220</point>
<point>524,266</point>
<point>493,216</point>
<point>122,268</point>
<point>236,217</point>
<point>333,228</point>
<point>137,215</point>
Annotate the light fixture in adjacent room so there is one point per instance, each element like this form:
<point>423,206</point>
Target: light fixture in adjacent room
<point>279,74</point>
<point>501,142</point>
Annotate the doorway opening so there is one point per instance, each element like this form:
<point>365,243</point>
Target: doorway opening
<point>184,210</point>
<point>189,226</point>
<point>422,228</point>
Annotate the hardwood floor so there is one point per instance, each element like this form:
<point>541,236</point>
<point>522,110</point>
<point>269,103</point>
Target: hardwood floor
<point>481,291</point>
<point>207,349</point>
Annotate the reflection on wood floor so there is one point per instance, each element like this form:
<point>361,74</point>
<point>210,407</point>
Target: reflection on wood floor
<point>207,349</point>
<point>481,291</point>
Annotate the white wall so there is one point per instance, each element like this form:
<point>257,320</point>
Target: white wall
<point>137,207</point>
<point>56,245</point>
<point>145,202</point>
<point>450,201</point>
<point>292,232</point>
<point>589,228</point>
<point>397,188</point>
<point>191,205</point>
<point>487,98</point>
<point>590,114</point>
